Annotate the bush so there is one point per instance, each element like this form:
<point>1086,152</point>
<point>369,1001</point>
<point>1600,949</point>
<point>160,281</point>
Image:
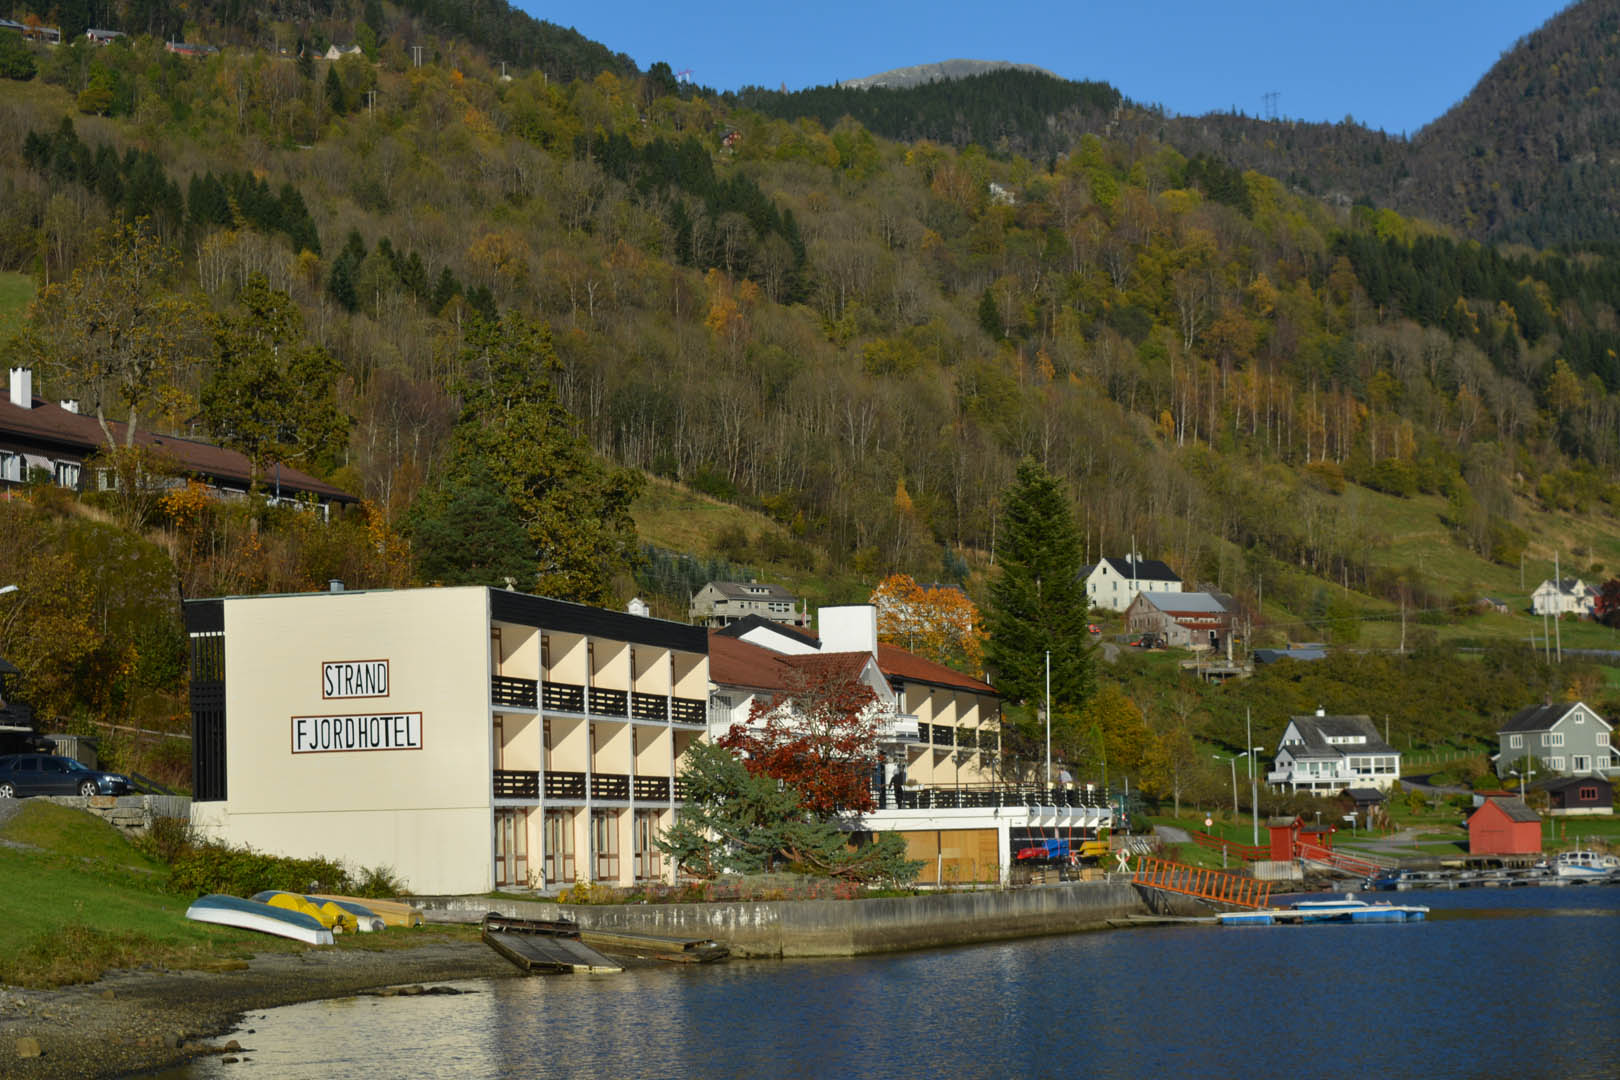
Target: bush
<point>16,61</point>
<point>219,868</point>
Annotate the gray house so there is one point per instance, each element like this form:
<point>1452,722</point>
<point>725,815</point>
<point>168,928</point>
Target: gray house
<point>721,603</point>
<point>1565,739</point>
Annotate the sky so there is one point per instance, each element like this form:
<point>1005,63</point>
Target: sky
<point>1391,65</point>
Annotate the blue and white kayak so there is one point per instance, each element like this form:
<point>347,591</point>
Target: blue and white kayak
<point>253,915</point>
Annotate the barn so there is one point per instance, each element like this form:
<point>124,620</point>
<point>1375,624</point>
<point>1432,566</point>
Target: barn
<point>1504,826</point>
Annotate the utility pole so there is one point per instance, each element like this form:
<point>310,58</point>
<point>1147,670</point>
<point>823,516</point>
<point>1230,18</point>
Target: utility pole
<point>1049,722</point>
<point>1558,633</point>
<point>1254,779</point>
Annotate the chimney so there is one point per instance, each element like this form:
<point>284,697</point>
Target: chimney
<point>1320,711</point>
<point>848,628</point>
<point>22,388</point>
<point>638,606</point>
<point>70,405</point>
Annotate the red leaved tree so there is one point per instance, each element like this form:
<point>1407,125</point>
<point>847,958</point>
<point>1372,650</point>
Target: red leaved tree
<point>819,735</point>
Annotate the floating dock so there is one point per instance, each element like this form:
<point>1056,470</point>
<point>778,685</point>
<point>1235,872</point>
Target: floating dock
<point>544,948</point>
<point>1326,911</point>
<point>1405,880</point>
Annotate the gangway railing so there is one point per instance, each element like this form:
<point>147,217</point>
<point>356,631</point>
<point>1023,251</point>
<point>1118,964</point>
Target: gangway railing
<point>1246,852</point>
<point>1354,865</point>
<point>1221,888</point>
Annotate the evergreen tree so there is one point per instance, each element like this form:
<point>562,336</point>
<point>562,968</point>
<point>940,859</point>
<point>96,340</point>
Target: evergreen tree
<point>465,531</point>
<point>1038,603</point>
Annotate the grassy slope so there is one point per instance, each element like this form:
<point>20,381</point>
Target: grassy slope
<point>77,899</point>
<point>16,290</point>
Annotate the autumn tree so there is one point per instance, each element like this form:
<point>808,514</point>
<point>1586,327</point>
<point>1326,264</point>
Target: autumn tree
<point>820,735</point>
<point>1038,602</point>
<point>939,623</point>
<point>118,329</point>
<point>737,821</point>
<point>573,510</point>
<point>270,394</point>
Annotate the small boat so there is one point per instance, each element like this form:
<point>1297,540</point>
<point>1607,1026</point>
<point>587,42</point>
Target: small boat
<point>1585,864</point>
<point>1246,918</point>
<point>1327,910</point>
<point>337,917</point>
<point>253,915</point>
<point>391,912</point>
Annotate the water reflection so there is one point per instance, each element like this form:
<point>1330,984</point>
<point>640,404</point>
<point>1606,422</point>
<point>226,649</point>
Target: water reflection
<point>1192,1002</point>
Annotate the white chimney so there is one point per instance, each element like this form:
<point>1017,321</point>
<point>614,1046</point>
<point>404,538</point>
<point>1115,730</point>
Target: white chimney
<point>70,405</point>
<point>848,628</point>
<point>1320,711</point>
<point>22,388</point>
<point>637,606</point>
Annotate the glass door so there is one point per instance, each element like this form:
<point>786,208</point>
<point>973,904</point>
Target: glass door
<point>559,847</point>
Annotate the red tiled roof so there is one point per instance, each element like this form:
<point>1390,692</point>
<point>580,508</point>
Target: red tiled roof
<point>50,424</point>
<point>896,663</point>
<point>733,662</point>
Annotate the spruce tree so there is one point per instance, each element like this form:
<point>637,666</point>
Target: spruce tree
<point>1038,602</point>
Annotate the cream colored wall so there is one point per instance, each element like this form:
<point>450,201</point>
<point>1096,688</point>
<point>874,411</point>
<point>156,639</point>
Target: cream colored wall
<point>425,814</point>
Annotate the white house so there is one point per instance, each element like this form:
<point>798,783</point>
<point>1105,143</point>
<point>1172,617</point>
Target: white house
<point>1562,597</point>
<point>1112,584</point>
<point>1324,754</point>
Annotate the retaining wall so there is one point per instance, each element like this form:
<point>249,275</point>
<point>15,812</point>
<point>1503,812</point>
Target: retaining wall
<point>130,813</point>
<point>801,928</point>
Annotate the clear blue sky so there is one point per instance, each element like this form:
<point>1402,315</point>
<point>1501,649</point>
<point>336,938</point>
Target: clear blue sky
<point>1392,64</point>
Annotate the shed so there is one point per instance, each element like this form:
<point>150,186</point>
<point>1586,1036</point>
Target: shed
<point>1287,832</point>
<point>1573,795</point>
<point>1504,827</point>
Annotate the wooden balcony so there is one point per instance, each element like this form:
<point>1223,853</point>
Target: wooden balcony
<point>563,697</point>
<point>571,786</point>
<point>688,710</point>
<point>506,692</point>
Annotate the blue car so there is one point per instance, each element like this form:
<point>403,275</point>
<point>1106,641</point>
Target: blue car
<point>50,774</point>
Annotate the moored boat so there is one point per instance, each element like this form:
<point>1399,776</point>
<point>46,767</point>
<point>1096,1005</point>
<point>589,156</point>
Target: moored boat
<point>1585,864</point>
<point>253,915</point>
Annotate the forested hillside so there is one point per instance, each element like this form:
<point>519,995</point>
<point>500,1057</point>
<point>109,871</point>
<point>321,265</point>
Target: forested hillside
<point>491,306</point>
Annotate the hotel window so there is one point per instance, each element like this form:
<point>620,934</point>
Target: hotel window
<point>605,844</point>
<point>559,843</point>
<point>545,657</point>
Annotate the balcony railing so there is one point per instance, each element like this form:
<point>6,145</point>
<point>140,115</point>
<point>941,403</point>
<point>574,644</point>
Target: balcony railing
<point>609,702</point>
<point>687,710</point>
<point>565,785</point>
<point>563,697</point>
<point>649,706</point>
<point>509,693</point>
<point>517,784</point>
<point>652,788</point>
<point>526,784</point>
<point>969,798</point>
<point>610,786</point>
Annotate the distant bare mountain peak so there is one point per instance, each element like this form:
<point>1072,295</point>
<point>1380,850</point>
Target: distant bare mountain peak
<point>944,69</point>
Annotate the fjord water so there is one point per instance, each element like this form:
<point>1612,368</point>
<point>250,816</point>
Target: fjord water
<point>1497,983</point>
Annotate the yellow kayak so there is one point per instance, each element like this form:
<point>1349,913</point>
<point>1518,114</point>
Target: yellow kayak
<point>392,912</point>
<point>328,914</point>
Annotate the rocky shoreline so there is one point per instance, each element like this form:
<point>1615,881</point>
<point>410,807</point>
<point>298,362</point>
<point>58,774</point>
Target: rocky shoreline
<point>134,1021</point>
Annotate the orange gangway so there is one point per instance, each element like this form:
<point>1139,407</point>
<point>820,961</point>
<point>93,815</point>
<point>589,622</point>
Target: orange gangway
<point>1222,888</point>
<point>1356,865</point>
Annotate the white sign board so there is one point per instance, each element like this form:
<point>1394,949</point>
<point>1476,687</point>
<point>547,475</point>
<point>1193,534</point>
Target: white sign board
<point>354,679</point>
<point>329,734</point>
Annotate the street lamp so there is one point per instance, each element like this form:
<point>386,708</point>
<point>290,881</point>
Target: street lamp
<point>1233,762</point>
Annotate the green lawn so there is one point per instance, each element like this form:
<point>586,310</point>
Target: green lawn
<point>76,899</point>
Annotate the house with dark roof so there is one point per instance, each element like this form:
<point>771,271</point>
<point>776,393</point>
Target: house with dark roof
<point>721,603</point>
<point>1111,584</point>
<point>1325,754</point>
<point>1504,825</point>
<point>1566,738</point>
<point>1575,796</point>
<point>1566,596</point>
<point>56,438</point>
<point>1182,620</point>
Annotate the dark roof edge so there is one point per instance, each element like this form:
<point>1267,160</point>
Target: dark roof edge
<point>204,616</point>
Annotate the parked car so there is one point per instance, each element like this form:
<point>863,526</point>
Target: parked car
<point>51,774</point>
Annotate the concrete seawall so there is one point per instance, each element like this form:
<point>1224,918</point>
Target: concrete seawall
<point>802,928</point>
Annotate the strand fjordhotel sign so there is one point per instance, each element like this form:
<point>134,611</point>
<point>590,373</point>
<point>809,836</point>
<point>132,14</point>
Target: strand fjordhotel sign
<point>369,731</point>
